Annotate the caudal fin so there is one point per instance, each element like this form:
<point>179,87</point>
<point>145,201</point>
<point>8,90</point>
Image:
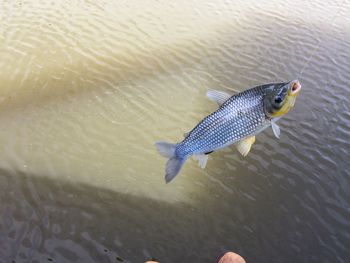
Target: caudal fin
<point>166,149</point>
<point>172,168</point>
<point>174,164</point>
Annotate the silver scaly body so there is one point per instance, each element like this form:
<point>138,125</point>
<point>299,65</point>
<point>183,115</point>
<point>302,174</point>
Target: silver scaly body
<point>239,117</point>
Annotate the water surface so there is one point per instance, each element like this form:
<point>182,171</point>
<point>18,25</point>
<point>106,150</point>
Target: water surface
<point>87,87</point>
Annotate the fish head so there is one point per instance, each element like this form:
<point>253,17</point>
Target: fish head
<point>280,98</point>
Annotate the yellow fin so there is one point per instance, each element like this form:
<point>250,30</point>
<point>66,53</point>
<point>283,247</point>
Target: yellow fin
<point>244,146</point>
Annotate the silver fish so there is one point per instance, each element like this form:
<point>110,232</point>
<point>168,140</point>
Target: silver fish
<point>239,118</point>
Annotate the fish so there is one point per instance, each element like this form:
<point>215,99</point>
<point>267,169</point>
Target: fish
<point>238,120</point>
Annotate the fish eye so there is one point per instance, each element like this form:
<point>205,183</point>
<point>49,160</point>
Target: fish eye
<point>278,100</point>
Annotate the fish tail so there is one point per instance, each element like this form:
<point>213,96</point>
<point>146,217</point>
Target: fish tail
<point>174,164</point>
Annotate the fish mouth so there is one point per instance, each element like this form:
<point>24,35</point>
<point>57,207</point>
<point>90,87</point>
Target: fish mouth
<point>295,87</point>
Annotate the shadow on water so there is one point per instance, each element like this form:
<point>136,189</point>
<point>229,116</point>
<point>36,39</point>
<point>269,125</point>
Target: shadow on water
<point>101,72</point>
<point>109,69</point>
<point>44,219</point>
<point>93,71</point>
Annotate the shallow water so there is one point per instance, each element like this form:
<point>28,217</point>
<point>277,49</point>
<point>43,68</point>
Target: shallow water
<point>87,87</point>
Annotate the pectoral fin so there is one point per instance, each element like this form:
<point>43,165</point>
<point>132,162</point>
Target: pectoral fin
<point>218,96</point>
<point>202,159</point>
<point>244,146</point>
<point>276,129</point>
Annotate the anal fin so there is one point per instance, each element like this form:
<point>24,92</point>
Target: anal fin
<point>202,159</point>
<point>245,145</point>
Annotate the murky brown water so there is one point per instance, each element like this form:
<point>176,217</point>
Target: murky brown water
<point>87,87</point>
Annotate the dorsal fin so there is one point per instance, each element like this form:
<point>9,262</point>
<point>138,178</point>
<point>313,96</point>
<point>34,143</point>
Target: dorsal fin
<point>218,96</point>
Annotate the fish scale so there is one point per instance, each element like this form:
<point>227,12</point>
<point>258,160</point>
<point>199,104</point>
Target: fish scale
<point>237,118</point>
